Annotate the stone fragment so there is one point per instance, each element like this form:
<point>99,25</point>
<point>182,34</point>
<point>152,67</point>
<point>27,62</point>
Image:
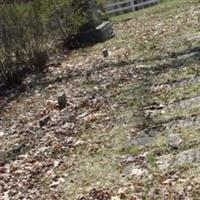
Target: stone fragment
<point>144,140</point>
<point>188,156</point>
<point>61,100</point>
<point>127,159</point>
<point>133,170</point>
<point>174,140</point>
<point>44,120</point>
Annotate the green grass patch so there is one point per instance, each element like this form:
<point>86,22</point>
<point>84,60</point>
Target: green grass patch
<point>132,150</point>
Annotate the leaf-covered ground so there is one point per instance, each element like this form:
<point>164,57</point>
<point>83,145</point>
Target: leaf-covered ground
<point>131,126</point>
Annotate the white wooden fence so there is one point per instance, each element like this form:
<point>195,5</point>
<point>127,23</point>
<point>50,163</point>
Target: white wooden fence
<point>122,6</point>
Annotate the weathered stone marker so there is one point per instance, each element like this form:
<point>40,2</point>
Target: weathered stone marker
<point>61,100</point>
<point>44,120</point>
<point>96,28</point>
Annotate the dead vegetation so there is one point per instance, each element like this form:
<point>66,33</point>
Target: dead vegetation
<point>112,140</point>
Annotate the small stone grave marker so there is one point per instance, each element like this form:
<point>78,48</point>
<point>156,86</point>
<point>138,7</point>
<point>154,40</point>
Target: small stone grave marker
<point>61,100</point>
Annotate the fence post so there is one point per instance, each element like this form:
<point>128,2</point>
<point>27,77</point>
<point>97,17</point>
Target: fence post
<point>132,5</point>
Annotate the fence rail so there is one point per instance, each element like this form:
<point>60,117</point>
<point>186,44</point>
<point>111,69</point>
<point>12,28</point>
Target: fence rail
<point>119,7</point>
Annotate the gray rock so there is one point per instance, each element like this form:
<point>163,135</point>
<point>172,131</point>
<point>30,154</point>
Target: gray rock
<point>188,156</point>
<point>144,140</point>
<point>62,100</point>
<point>133,170</point>
<point>44,120</point>
<point>127,159</point>
<point>174,140</point>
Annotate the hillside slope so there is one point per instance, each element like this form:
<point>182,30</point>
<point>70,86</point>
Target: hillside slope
<point>131,126</point>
